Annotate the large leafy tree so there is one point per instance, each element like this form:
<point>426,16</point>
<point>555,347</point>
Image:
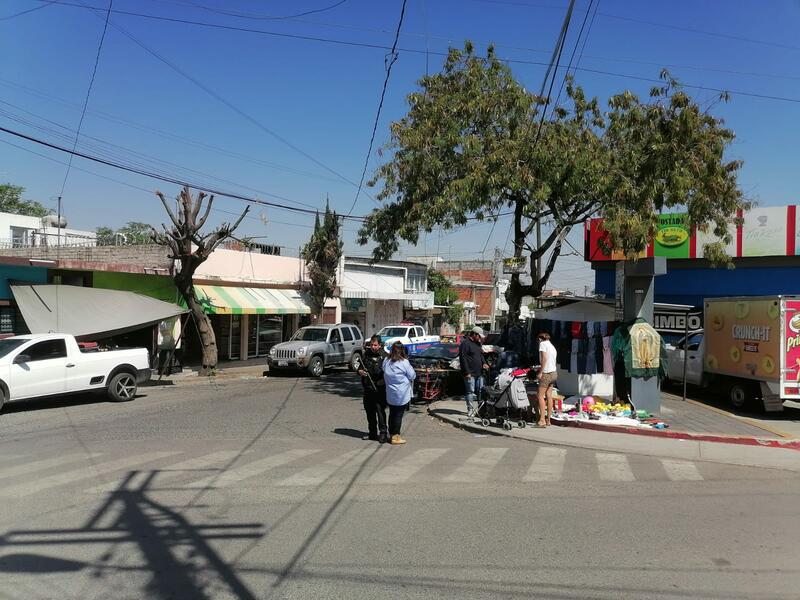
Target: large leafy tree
<point>322,254</point>
<point>11,202</point>
<point>191,248</point>
<point>476,145</point>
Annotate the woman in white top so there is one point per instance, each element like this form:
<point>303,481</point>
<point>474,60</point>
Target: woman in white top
<point>547,378</point>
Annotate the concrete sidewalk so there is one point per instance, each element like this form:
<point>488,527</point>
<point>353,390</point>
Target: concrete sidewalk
<point>453,411</point>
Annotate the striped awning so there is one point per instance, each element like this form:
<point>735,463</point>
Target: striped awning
<point>225,300</point>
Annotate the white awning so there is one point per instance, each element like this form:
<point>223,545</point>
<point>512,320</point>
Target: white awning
<point>88,312</point>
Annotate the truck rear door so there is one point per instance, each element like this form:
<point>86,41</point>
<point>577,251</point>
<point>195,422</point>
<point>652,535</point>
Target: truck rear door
<point>790,349</point>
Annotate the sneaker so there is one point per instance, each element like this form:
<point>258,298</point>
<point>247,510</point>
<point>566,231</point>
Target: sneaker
<point>397,440</point>
<point>383,439</point>
<point>371,437</point>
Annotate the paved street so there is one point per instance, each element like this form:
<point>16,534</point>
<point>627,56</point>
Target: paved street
<point>264,489</point>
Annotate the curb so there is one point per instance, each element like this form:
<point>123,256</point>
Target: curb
<point>713,452</point>
<point>684,435</point>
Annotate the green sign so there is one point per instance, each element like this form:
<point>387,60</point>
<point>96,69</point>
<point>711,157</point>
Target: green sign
<point>672,236</point>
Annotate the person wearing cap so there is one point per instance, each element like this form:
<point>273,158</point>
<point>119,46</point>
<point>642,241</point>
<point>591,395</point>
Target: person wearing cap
<point>470,356</point>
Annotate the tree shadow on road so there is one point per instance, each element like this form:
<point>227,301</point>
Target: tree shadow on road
<point>178,556</point>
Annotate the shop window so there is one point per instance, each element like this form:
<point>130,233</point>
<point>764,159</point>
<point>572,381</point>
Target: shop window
<point>270,328</point>
<point>235,337</point>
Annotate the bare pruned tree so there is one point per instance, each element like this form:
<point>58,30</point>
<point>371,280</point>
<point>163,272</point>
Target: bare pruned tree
<point>191,248</point>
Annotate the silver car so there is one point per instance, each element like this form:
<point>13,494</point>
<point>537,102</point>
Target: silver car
<point>319,346</point>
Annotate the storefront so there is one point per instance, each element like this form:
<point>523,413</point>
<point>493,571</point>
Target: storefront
<point>249,321</point>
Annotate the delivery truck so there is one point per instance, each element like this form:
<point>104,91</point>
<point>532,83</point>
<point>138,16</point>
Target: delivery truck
<point>749,350</point>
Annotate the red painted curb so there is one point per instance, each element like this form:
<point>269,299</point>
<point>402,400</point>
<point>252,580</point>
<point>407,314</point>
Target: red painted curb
<point>683,435</point>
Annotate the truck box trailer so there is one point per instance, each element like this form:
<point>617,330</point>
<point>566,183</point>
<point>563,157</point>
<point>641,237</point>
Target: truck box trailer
<point>749,350</point>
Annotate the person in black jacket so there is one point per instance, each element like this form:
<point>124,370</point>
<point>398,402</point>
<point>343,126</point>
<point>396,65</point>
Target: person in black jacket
<point>371,372</point>
<point>470,356</point>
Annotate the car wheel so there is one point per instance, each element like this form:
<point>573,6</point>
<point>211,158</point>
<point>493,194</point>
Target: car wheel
<point>122,387</point>
<point>3,398</point>
<point>355,362</point>
<point>316,366</point>
<point>739,394</point>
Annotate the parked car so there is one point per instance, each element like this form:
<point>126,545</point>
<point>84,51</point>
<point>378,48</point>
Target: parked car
<point>317,347</point>
<point>39,365</point>
<point>412,336</point>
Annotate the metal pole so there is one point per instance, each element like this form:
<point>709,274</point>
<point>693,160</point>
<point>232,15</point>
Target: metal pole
<point>58,228</point>
<point>685,351</point>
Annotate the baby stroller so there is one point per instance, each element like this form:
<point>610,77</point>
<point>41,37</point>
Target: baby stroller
<point>507,393</point>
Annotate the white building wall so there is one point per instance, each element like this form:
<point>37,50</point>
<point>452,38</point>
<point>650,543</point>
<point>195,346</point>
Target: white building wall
<point>24,231</point>
<point>375,281</point>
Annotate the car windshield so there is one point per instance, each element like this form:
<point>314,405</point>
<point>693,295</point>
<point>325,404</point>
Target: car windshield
<point>439,351</point>
<point>390,332</point>
<point>9,344</point>
<point>311,334</point>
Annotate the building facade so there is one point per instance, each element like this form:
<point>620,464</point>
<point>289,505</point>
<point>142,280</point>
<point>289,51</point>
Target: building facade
<point>376,295</point>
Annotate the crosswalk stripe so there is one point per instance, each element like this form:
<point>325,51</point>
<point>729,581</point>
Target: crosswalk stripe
<point>257,467</point>
<point>86,472</point>
<point>614,467</point>
<point>319,473</point>
<point>192,464</point>
<point>478,466</point>
<point>548,465</point>
<point>42,465</point>
<point>681,470</point>
<point>406,466</point>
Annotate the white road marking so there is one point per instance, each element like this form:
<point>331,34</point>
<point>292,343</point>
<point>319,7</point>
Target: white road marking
<point>319,473</point>
<point>193,464</point>
<point>86,472</point>
<point>548,465</point>
<point>257,467</point>
<point>478,466</point>
<point>681,470</point>
<point>406,466</point>
<point>614,467</point>
<point>42,465</point>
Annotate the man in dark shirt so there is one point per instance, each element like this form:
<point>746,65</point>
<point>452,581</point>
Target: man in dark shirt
<point>470,356</point>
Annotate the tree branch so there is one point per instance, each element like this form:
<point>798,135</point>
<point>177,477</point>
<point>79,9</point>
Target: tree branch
<point>170,212</point>
<point>203,219</point>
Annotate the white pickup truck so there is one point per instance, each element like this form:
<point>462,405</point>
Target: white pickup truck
<point>412,336</point>
<point>32,366</point>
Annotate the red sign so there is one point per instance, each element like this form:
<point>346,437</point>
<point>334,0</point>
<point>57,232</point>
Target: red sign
<point>791,328</point>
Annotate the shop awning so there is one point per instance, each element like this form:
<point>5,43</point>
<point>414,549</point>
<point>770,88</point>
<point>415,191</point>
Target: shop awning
<point>88,312</point>
<point>226,300</point>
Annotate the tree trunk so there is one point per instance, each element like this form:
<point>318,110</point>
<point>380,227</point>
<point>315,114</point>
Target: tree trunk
<point>208,340</point>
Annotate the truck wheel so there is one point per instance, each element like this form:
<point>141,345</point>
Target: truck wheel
<point>122,387</point>
<point>739,394</point>
<point>355,362</point>
<point>316,366</point>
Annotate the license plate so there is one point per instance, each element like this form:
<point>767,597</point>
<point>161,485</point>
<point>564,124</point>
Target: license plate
<point>283,363</point>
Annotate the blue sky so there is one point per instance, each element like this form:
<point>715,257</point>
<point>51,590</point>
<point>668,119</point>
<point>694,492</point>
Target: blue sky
<point>322,97</point>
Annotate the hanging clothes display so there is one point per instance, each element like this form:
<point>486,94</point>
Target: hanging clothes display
<point>641,349</point>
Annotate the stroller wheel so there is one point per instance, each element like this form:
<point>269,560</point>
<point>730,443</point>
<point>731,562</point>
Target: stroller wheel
<point>485,422</point>
<point>521,424</point>
<point>500,420</point>
<point>507,426</point>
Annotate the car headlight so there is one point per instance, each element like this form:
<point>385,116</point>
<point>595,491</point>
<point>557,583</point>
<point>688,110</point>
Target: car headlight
<point>273,351</point>
<point>301,351</point>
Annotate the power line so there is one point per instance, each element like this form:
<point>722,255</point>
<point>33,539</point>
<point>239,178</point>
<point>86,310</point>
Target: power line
<point>85,103</point>
<point>575,49</point>
<point>220,98</point>
<point>164,178</point>
<point>25,12</point>
<point>391,59</point>
<point>161,133</point>
<point>256,17</point>
<point>418,51</point>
